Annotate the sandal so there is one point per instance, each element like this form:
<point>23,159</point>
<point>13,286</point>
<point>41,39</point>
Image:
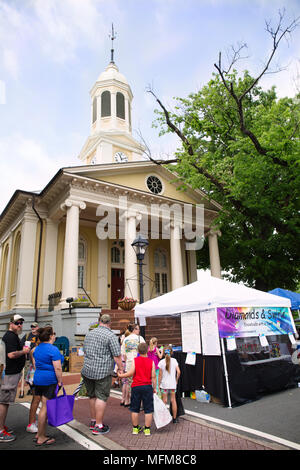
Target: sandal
<point>46,442</point>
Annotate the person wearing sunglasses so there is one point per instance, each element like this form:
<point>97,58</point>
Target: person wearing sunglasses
<point>14,363</point>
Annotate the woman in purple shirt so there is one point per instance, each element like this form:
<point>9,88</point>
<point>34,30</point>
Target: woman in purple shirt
<point>155,354</point>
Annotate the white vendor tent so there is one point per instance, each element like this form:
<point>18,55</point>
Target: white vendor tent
<point>201,299</point>
<point>207,293</point>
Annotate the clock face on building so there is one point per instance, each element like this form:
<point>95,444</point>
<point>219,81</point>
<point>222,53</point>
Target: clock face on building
<point>154,184</point>
<point>120,157</point>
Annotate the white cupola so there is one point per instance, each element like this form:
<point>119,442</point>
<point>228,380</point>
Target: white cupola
<point>111,98</point>
<point>111,140</point>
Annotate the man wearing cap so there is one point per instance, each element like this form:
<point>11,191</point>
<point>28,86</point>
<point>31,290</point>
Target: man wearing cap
<point>14,363</point>
<point>101,349</point>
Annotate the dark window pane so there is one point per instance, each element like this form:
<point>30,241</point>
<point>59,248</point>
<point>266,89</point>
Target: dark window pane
<point>120,105</point>
<point>105,104</point>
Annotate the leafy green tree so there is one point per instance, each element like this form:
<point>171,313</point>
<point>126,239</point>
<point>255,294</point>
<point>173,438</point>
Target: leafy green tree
<point>241,145</point>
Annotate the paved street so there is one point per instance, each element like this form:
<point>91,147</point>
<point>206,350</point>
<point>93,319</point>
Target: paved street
<point>204,427</point>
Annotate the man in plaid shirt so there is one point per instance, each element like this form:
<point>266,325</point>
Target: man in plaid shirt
<point>101,349</point>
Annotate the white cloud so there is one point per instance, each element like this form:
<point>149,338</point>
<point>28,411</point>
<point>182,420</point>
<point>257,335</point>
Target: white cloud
<point>11,63</point>
<point>58,27</point>
<point>63,26</point>
<point>26,165</point>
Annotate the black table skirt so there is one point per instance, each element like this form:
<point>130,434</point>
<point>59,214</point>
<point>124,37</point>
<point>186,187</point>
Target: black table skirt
<point>246,383</point>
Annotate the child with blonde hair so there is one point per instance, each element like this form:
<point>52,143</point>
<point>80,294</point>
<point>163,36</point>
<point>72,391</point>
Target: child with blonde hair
<point>168,377</point>
<point>155,354</point>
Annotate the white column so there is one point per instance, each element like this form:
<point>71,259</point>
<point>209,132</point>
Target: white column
<point>50,261</point>
<point>98,125</point>
<point>131,279</point>
<point>114,109</point>
<point>214,257</point>
<point>26,260</point>
<point>127,114</point>
<point>7,276</point>
<point>70,267</point>
<point>176,256</point>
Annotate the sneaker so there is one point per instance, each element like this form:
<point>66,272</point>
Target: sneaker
<point>6,436</point>
<point>92,424</point>
<point>103,430</point>
<point>136,429</point>
<point>32,428</point>
<point>147,431</point>
<point>10,431</point>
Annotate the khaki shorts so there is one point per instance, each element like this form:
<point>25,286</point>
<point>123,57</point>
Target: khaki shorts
<point>8,388</point>
<point>98,388</point>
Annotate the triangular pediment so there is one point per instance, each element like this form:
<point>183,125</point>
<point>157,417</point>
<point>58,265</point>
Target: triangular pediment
<point>134,176</point>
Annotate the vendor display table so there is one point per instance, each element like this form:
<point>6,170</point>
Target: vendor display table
<point>246,382</point>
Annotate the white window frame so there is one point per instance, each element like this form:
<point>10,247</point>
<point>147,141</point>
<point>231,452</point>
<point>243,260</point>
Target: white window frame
<point>161,271</point>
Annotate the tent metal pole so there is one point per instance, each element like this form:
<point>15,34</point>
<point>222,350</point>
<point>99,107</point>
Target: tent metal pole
<point>226,373</point>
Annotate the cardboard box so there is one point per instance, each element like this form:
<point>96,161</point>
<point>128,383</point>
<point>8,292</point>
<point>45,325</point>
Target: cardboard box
<point>76,359</point>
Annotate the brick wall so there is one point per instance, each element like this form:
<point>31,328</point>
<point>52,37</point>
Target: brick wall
<point>167,329</point>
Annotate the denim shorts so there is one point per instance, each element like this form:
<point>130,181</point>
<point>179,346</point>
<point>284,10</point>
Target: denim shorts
<point>142,393</point>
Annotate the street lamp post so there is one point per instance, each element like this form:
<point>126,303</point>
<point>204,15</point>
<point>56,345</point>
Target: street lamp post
<point>140,246</point>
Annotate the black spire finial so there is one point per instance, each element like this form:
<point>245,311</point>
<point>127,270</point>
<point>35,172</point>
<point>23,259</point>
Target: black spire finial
<point>112,37</point>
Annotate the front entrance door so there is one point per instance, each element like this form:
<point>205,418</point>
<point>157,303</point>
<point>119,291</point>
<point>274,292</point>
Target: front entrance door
<point>117,286</point>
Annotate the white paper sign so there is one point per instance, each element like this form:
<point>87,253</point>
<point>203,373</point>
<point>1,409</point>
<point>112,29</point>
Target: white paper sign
<point>292,338</point>
<point>263,340</point>
<point>231,343</point>
<point>143,321</point>
<point>210,333</point>
<point>190,332</point>
<point>190,358</point>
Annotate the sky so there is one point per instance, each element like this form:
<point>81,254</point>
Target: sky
<point>52,52</point>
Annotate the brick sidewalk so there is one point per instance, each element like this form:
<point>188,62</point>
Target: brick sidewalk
<point>186,435</point>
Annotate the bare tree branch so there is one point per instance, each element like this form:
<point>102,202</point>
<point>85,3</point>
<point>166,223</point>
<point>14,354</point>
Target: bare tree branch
<point>218,184</point>
<point>277,35</point>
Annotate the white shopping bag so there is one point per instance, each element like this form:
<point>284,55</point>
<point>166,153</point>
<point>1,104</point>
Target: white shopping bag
<point>161,413</point>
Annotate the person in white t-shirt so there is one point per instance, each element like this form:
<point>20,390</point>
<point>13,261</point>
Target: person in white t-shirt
<point>169,374</point>
<point>129,348</point>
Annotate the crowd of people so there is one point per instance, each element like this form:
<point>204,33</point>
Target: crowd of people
<point>142,369</point>
<point>41,363</point>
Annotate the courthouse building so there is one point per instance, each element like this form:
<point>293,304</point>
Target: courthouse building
<point>51,243</point>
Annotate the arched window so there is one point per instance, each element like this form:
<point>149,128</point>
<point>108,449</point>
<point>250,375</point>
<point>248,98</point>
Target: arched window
<point>3,271</point>
<point>16,258</point>
<point>161,271</point>
<point>117,253</point>
<point>82,259</point>
<point>120,105</point>
<point>105,104</point>
<point>94,109</point>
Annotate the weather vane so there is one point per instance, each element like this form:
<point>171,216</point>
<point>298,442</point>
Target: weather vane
<point>112,37</point>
